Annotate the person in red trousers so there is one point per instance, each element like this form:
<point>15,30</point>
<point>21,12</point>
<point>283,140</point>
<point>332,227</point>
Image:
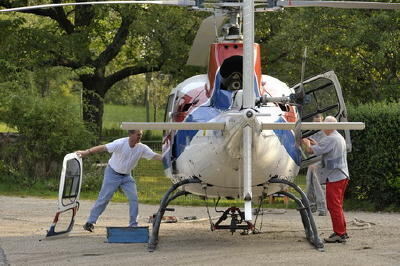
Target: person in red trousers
<point>335,171</point>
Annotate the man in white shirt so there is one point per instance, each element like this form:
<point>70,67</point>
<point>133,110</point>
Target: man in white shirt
<point>315,188</point>
<point>126,153</point>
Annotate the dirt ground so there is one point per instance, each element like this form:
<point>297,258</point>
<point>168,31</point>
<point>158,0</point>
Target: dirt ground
<point>24,221</point>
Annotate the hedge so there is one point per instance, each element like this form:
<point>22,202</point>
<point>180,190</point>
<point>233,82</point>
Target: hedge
<point>374,162</point>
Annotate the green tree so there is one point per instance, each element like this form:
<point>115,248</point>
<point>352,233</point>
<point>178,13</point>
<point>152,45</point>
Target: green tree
<point>362,46</point>
<point>102,44</point>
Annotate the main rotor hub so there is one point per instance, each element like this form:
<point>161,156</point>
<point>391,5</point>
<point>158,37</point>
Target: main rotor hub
<point>232,31</point>
<point>249,113</point>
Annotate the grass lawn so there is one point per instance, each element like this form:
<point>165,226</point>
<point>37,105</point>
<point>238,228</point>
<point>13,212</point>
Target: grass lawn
<point>115,114</point>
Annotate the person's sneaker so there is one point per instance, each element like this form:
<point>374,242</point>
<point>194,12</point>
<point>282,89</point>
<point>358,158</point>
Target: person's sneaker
<point>346,236</point>
<point>322,213</point>
<point>88,227</point>
<point>335,238</point>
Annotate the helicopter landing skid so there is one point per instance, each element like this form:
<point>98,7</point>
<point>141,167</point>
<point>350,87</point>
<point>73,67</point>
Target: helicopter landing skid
<point>167,198</point>
<point>237,217</point>
<point>305,213</point>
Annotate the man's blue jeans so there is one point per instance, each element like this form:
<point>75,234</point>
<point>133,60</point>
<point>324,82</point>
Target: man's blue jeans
<point>315,190</point>
<point>112,180</point>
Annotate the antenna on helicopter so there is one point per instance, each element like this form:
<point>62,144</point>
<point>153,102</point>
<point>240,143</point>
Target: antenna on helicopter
<point>300,94</point>
<point>303,65</point>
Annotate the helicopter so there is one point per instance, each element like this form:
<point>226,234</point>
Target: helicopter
<point>233,132</point>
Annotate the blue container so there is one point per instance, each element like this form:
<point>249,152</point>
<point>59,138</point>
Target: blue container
<point>138,234</point>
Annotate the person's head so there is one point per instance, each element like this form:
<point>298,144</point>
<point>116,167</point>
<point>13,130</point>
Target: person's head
<point>134,137</point>
<point>318,118</point>
<point>329,119</point>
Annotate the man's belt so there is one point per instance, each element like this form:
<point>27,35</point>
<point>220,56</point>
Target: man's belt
<point>117,172</point>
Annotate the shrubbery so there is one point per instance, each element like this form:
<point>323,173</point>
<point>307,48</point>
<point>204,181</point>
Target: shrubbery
<point>49,128</point>
<point>375,160</point>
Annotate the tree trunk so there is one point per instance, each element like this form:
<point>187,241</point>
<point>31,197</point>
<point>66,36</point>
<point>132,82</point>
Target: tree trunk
<point>94,89</point>
<point>147,96</point>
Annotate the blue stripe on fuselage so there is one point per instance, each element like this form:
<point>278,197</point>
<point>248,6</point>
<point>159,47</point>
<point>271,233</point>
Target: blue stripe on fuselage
<point>221,101</point>
<point>288,140</point>
<point>183,137</point>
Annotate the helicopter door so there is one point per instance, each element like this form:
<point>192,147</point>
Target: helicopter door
<point>324,96</point>
<point>68,195</point>
<point>168,138</point>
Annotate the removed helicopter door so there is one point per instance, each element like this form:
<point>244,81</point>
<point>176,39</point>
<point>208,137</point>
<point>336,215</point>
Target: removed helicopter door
<point>68,195</point>
<point>324,96</point>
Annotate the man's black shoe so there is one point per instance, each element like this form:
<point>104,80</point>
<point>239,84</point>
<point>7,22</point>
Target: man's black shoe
<point>88,227</point>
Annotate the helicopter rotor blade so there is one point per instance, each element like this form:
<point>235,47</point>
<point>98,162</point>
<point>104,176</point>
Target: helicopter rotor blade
<point>173,126</point>
<point>248,101</point>
<point>247,171</point>
<point>221,126</point>
<point>315,126</point>
<point>161,2</point>
<point>198,54</point>
<point>332,4</point>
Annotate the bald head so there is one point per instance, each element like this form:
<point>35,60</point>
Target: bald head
<point>330,119</point>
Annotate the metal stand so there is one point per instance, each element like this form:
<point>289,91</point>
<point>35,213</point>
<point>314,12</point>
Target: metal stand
<point>153,241</point>
<point>305,212</point>
<point>237,217</point>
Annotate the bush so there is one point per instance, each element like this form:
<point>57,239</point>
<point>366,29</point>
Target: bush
<point>375,160</point>
<point>49,128</point>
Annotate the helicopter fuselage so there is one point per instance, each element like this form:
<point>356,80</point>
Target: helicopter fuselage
<point>214,156</point>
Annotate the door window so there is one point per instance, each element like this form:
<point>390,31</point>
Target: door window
<point>323,96</point>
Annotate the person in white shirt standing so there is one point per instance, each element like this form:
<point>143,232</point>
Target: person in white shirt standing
<point>315,187</point>
<point>126,153</point>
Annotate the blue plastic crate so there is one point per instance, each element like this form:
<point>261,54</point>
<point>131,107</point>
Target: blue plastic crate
<point>138,234</point>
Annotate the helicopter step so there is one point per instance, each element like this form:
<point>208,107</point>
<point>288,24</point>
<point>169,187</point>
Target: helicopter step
<point>164,219</point>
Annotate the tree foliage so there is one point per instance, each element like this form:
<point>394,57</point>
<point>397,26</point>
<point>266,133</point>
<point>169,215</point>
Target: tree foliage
<point>101,44</point>
<point>361,46</point>
<point>106,44</point>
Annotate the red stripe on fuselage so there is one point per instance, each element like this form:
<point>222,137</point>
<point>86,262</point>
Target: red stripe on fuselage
<point>291,115</point>
<point>192,99</point>
<point>221,51</point>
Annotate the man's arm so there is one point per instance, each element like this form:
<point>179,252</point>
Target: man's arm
<point>92,150</point>
<point>307,146</point>
<point>157,157</point>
